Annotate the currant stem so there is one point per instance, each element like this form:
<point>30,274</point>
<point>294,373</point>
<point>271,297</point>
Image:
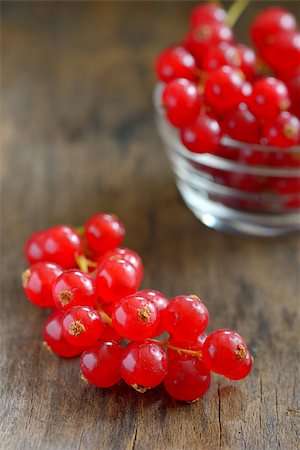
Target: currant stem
<point>235,11</point>
<point>80,230</point>
<point>105,316</point>
<point>166,344</point>
<point>84,263</point>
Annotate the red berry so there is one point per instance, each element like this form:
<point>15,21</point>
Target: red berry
<point>175,62</point>
<point>195,344</point>
<point>286,185</point>
<point>247,182</point>
<point>115,279</point>
<point>185,317</point>
<point>74,288</point>
<point>135,317</point>
<point>128,255</point>
<point>223,54</point>
<point>188,378</point>
<point>101,364</point>
<point>144,365</point>
<point>283,131</point>
<point>243,370</point>
<point>223,89</point>
<point>38,281</point>
<point>293,85</point>
<point>248,61</point>
<point>206,13</point>
<point>242,125</point>
<point>58,245</point>
<point>202,136</point>
<point>54,340</point>
<point>268,24</point>
<point>103,232</point>
<point>160,301</point>
<point>286,46</point>
<point>181,99</point>
<point>110,334</point>
<point>256,158</point>
<point>223,351</point>
<point>200,39</point>
<point>269,97</point>
<point>82,326</point>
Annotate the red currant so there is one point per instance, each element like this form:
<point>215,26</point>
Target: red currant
<point>243,370</point>
<point>128,255</point>
<point>160,301</point>
<point>188,378</point>
<point>101,364</point>
<point>185,317</point>
<point>293,85</point>
<point>286,185</point>
<point>103,232</point>
<point>286,47</point>
<point>58,245</point>
<point>206,13</point>
<point>202,136</point>
<point>242,125</point>
<point>82,326</point>
<point>223,54</point>
<point>269,97</point>
<point>283,131</point>
<point>74,288</point>
<point>144,365</point>
<point>175,62</point>
<point>268,24</point>
<point>182,101</point>
<point>110,334</point>
<point>223,351</point>
<point>196,344</point>
<point>135,317</point>
<point>54,340</point>
<point>115,279</point>
<point>223,89</point>
<point>38,281</point>
<point>200,39</point>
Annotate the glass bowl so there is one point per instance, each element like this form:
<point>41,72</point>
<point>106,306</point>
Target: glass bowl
<point>236,197</point>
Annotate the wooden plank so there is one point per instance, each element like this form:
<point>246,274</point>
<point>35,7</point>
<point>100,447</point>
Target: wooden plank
<point>78,137</point>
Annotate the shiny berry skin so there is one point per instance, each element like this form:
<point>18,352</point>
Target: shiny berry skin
<point>82,326</point>
<point>283,131</point>
<point>268,24</point>
<point>243,370</point>
<point>185,317</point>
<point>181,100</point>
<point>269,97</point>
<point>103,232</point>
<point>188,378</point>
<point>175,62</point>
<point>201,136</point>
<point>223,351</point>
<point>206,13</point>
<point>199,40</point>
<point>128,255</point>
<point>144,365</point>
<point>38,281</point>
<point>109,334</point>
<point>115,279</point>
<point>286,47</point>
<point>196,344</point>
<point>223,54</point>
<point>160,301</point>
<point>58,245</point>
<point>101,364</point>
<point>223,89</point>
<point>248,61</point>
<point>74,288</point>
<point>135,317</point>
<point>54,339</point>
<point>242,125</point>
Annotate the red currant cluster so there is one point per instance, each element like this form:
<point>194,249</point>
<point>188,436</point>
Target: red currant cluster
<point>92,286</point>
<point>214,87</point>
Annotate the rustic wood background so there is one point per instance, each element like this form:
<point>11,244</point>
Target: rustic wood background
<point>78,137</point>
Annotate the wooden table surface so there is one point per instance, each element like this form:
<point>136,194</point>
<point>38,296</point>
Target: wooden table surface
<point>78,137</point>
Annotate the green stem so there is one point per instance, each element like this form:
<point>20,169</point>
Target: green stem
<point>235,11</point>
<point>185,351</point>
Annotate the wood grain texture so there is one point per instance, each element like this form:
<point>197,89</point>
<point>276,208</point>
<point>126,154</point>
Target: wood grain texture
<point>77,136</point>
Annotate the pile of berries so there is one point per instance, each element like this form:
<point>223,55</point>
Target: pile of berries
<point>214,88</point>
<point>91,284</point>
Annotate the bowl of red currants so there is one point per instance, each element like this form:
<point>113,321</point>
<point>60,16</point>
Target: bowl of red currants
<point>229,119</point>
